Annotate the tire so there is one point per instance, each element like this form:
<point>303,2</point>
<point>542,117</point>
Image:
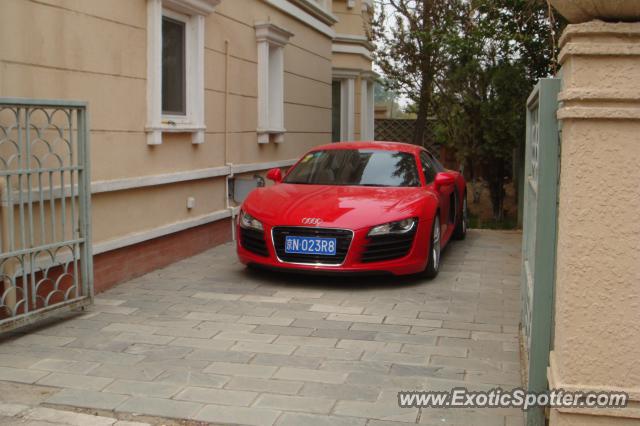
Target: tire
<point>433,260</point>
<point>461,227</point>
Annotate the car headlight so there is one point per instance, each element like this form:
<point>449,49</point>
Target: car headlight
<point>394,228</point>
<point>250,222</point>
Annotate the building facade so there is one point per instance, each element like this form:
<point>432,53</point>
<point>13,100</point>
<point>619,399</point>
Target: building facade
<point>186,99</point>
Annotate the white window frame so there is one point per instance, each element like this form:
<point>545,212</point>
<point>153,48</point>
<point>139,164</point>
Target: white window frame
<point>271,41</point>
<point>192,13</point>
<point>367,82</point>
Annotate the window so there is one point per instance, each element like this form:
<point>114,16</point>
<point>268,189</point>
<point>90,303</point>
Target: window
<point>436,164</point>
<point>271,41</point>
<point>174,94</point>
<point>175,68</point>
<point>428,169</point>
<point>356,167</point>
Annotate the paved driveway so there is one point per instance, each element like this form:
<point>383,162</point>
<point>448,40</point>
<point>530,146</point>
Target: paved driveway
<point>205,339</point>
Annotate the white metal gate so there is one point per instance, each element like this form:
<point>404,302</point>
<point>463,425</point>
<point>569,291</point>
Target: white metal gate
<point>45,222</point>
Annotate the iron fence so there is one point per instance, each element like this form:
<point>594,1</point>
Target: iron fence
<point>45,224</point>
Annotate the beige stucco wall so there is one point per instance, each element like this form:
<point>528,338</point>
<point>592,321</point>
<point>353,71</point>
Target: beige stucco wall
<point>96,51</point>
<point>353,22</point>
<point>357,63</point>
<point>597,306</point>
<point>350,20</point>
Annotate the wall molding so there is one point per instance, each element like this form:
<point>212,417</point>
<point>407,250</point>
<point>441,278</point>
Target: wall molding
<point>598,113</point>
<point>98,187</point>
<point>597,94</point>
<point>354,39</point>
<point>555,382</point>
<point>123,184</point>
<point>161,231</point>
<point>355,49</point>
<point>193,7</point>
<point>599,28</point>
<point>252,167</point>
<point>598,49</point>
<point>313,21</point>
<point>320,12</point>
<point>112,185</point>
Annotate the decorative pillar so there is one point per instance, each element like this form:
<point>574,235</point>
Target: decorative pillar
<point>367,80</point>
<point>597,302</point>
<point>371,110</point>
<point>364,108</point>
<point>349,117</point>
<point>263,92</point>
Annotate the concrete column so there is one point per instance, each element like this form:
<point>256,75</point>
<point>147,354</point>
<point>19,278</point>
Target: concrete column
<point>364,109</point>
<point>348,109</point>
<point>597,300</point>
<point>263,91</point>
<point>371,134</point>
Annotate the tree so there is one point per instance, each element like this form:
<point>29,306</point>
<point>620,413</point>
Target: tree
<point>384,96</point>
<point>472,67</point>
<point>409,36</point>
<point>500,50</point>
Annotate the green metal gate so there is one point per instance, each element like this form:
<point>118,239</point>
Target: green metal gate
<point>45,223</point>
<point>541,176</point>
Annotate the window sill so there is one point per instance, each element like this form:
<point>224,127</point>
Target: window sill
<point>266,135</point>
<point>154,133</point>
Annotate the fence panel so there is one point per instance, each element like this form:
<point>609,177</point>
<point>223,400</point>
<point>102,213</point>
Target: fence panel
<point>45,222</point>
<point>539,235</point>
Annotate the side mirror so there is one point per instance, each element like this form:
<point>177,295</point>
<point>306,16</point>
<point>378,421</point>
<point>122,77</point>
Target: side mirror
<point>443,179</point>
<point>275,175</point>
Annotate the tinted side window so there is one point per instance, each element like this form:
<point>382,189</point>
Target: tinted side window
<point>427,168</point>
<point>436,164</point>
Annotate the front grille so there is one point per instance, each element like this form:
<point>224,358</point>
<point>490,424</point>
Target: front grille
<point>387,247</point>
<point>253,241</point>
<point>343,240</point>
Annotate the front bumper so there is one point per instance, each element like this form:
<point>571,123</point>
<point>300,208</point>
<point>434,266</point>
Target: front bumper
<point>413,262</point>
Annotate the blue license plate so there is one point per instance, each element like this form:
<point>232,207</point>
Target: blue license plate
<point>310,245</point>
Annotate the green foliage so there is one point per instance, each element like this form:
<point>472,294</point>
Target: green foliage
<point>486,55</point>
<point>411,37</point>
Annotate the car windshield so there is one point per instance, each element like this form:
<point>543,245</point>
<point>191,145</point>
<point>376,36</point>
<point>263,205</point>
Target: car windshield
<point>361,167</point>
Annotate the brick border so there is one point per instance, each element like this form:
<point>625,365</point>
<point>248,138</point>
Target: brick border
<point>117,266</point>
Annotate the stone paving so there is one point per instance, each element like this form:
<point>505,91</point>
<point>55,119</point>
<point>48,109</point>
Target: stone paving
<point>207,340</point>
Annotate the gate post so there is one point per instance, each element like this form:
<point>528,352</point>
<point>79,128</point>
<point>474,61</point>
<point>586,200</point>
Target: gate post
<point>539,236</point>
<point>597,305</point>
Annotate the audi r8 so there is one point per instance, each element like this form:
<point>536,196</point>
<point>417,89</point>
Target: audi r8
<point>355,207</point>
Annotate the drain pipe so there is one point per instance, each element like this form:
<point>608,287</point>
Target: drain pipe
<point>226,139</point>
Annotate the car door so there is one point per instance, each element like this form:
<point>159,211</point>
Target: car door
<point>429,171</point>
<point>456,193</point>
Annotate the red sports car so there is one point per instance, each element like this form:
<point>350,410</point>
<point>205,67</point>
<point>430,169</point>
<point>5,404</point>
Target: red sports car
<point>355,207</point>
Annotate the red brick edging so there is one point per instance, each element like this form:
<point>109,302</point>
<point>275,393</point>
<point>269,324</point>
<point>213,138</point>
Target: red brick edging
<point>117,266</point>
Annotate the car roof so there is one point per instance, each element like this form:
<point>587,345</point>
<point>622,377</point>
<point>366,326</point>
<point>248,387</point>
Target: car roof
<point>382,145</point>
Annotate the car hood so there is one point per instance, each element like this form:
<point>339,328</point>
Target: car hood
<point>350,207</point>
